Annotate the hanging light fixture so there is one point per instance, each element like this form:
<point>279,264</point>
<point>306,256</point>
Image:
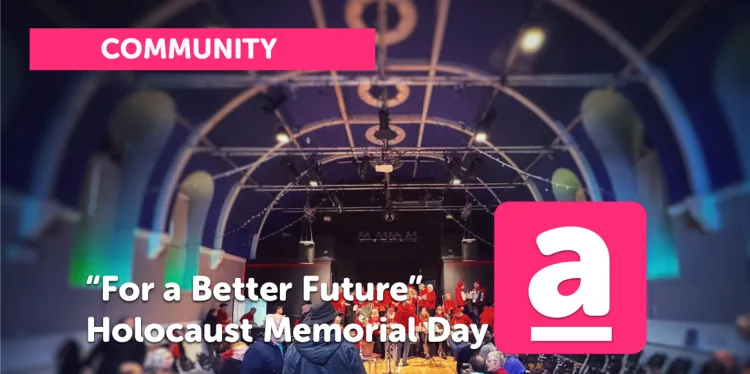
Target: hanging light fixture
<point>384,132</point>
<point>306,242</point>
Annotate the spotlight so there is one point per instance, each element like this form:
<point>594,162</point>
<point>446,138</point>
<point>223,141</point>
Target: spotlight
<point>456,181</point>
<point>480,137</point>
<point>282,136</point>
<point>326,218</point>
<point>313,183</point>
<point>389,216</point>
<point>532,40</point>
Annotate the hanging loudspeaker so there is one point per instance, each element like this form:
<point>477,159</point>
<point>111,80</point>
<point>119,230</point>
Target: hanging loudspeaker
<point>306,251</point>
<point>469,249</point>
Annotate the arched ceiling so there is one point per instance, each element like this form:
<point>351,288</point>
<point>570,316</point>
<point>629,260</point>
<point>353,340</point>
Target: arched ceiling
<point>430,46</point>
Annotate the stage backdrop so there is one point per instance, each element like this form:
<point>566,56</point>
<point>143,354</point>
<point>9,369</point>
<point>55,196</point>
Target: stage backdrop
<point>369,249</point>
<point>290,272</point>
<point>468,271</point>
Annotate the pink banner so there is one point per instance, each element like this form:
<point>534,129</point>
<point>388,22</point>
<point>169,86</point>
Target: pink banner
<point>202,49</point>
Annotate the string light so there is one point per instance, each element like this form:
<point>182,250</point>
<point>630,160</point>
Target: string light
<point>293,183</point>
<point>467,230</point>
<point>486,209</point>
<point>290,225</point>
<point>532,176</point>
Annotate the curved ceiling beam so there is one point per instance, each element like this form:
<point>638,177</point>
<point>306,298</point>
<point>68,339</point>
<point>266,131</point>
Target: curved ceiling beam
<point>179,162</point>
<point>354,120</point>
<point>592,185</point>
<point>254,248</point>
<point>702,206</point>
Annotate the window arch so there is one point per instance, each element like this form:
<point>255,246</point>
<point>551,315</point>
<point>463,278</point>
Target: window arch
<point>635,173</point>
<point>186,228</point>
<point>117,183</point>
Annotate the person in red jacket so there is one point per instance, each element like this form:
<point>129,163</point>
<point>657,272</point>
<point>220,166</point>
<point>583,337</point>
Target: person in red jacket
<point>223,315</point>
<point>429,299</point>
<point>386,303</point>
<point>421,296</point>
<point>448,304</point>
<point>249,317</point>
<point>404,312</point>
<point>442,346</point>
<point>488,316</point>
<point>340,305</point>
<point>460,294</point>
<point>459,318</point>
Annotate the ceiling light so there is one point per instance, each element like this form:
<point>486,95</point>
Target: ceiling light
<point>456,181</point>
<point>480,137</point>
<point>282,136</point>
<point>532,40</point>
<point>313,183</point>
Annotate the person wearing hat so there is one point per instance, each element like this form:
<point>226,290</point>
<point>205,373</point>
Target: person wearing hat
<point>305,310</point>
<point>320,356</point>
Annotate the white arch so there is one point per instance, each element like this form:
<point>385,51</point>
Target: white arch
<point>354,120</point>
<point>254,248</point>
<point>703,206</point>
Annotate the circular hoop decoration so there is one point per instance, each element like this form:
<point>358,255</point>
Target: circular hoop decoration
<point>407,19</point>
<point>400,135</point>
<point>363,90</point>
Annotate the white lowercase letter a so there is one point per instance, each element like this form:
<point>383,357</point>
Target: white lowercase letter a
<point>592,294</point>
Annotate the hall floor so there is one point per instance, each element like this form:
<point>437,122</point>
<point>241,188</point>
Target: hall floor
<point>416,366</point>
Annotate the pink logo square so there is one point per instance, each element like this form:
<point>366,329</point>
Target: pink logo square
<point>570,278</point>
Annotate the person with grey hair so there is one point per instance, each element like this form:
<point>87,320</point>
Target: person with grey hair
<point>495,361</point>
<point>487,345</point>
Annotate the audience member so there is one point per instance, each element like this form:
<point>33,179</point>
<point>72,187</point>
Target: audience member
<point>487,344</point>
<point>159,360</point>
<point>264,357</point>
<point>322,357</point>
<point>112,355</point>
<point>477,365</point>
<point>495,361</point>
<point>513,365</point>
<point>305,310</point>
<point>233,359</point>
<point>69,358</point>
<point>222,315</point>
<point>210,326</point>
